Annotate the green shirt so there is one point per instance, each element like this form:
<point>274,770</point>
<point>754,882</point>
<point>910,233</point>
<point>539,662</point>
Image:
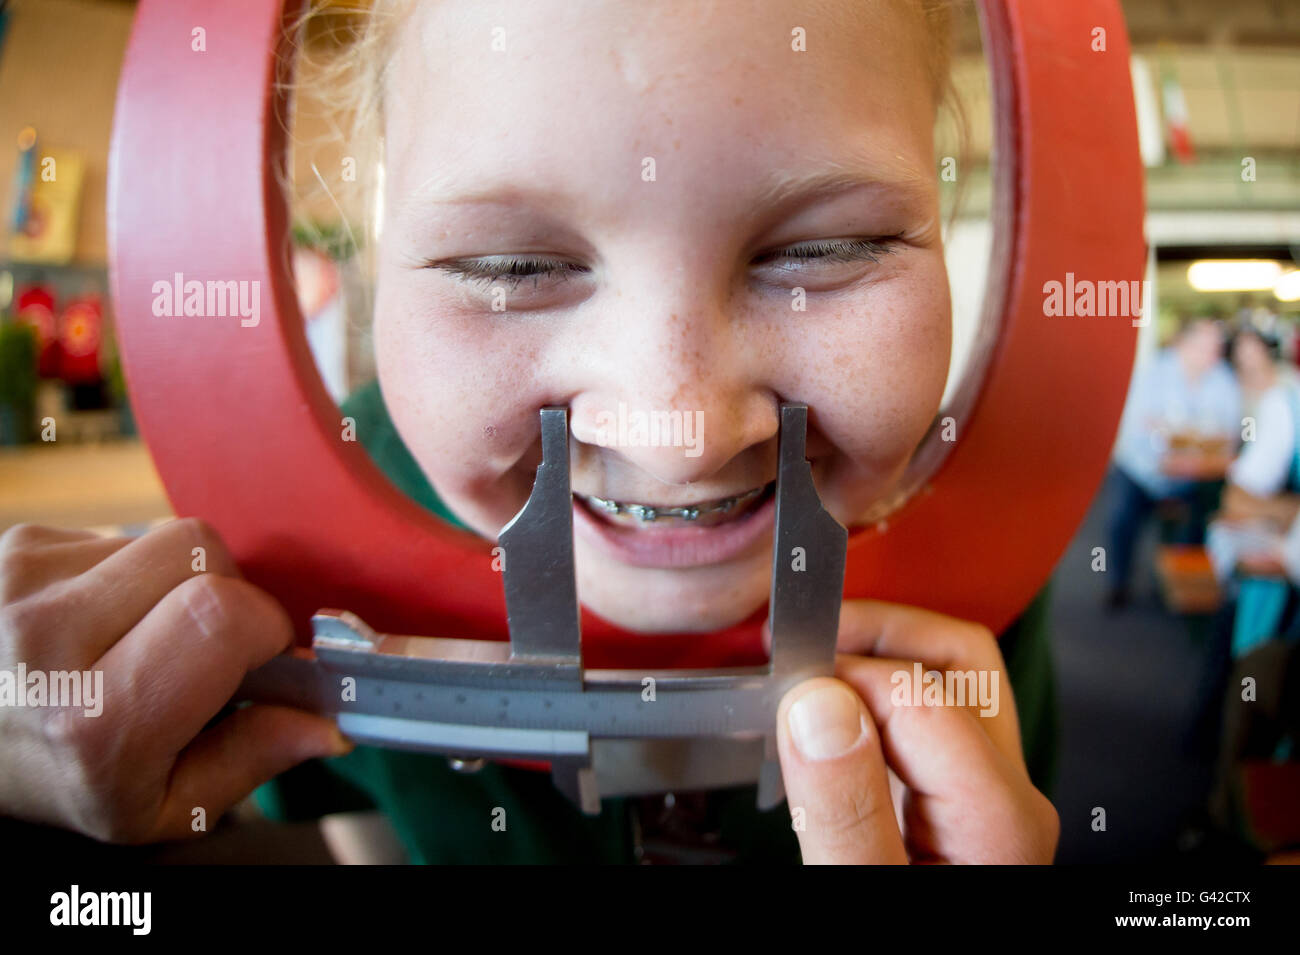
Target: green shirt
<point>444,816</point>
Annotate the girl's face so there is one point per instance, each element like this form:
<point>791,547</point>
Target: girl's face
<point>661,214</point>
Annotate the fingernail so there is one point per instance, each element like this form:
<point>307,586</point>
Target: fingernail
<point>826,722</point>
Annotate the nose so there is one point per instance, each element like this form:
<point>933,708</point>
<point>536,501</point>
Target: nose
<point>678,398</point>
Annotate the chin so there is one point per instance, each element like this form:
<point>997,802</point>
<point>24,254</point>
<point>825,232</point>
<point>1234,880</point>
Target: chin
<point>653,600</point>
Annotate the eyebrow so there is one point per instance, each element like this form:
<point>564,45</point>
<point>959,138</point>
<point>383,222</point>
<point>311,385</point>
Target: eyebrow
<point>830,178</point>
<point>781,188</point>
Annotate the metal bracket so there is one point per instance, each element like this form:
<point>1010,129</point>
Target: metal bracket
<point>602,733</point>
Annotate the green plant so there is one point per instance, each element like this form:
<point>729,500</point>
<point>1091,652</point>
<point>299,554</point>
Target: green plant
<point>17,364</point>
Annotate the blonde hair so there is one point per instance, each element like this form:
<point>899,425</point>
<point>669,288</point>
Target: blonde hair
<point>343,53</point>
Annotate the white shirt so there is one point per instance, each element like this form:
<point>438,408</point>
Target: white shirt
<point>1264,464</point>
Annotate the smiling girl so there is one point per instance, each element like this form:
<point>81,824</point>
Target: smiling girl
<point>670,208</point>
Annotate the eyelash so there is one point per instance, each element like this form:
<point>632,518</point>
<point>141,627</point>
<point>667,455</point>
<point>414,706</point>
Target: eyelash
<point>836,250</point>
<point>513,270</point>
<point>516,269</point>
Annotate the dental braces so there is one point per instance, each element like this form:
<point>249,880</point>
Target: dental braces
<point>644,513</point>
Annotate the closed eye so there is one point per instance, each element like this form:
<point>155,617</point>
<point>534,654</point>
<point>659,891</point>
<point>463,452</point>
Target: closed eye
<point>830,250</point>
<point>510,270</point>
<point>513,270</point>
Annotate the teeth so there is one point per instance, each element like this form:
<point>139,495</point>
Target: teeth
<point>645,513</point>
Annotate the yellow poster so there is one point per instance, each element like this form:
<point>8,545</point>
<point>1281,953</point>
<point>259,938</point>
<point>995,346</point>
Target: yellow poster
<point>48,230</point>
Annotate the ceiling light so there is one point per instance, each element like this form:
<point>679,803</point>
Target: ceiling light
<point>1234,275</point>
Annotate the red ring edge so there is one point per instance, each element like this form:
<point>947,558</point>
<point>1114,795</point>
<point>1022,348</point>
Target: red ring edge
<point>193,189</point>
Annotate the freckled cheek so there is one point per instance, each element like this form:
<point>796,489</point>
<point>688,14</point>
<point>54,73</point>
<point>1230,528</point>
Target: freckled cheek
<point>879,399</point>
<point>420,383</point>
<point>447,387</point>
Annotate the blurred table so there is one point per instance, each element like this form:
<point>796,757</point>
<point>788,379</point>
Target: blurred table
<point>1187,580</point>
<point>1196,465</point>
<point>1197,457</point>
<point>80,485</point>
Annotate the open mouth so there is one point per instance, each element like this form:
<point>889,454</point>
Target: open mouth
<point>710,513</point>
<point>700,534</point>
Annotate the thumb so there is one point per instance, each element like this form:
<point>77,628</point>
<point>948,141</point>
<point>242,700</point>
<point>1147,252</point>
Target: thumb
<point>250,746</point>
<point>836,782</point>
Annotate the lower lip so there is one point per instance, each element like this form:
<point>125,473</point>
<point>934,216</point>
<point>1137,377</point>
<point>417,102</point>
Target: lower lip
<point>676,547</point>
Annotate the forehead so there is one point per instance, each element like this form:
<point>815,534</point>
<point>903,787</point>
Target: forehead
<point>585,90</point>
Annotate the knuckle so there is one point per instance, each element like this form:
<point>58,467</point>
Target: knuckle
<point>979,638</point>
<point>67,731</point>
<point>17,547</point>
<point>980,634</point>
<point>21,631</point>
<point>209,602</point>
<point>195,527</point>
<point>233,615</point>
<point>197,532</point>
<point>983,645</point>
<point>21,537</point>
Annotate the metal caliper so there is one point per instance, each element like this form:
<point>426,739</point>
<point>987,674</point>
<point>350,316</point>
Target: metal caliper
<point>604,732</point>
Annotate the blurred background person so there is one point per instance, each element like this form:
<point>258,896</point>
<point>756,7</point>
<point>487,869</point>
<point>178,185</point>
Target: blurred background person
<point>1261,500</point>
<point>1257,359</point>
<point>1259,715</point>
<point>1262,495</point>
<point>1183,414</point>
<point>1263,481</point>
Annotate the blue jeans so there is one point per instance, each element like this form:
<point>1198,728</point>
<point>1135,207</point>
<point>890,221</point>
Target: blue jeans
<point>1132,506</point>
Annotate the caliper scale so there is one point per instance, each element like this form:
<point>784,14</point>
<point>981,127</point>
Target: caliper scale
<point>604,732</point>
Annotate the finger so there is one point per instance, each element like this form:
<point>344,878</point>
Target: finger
<point>77,557</point>
<point>99,605</point>
<point>985,694</point>
<point>876,628</point>
<point>934,749</point>
<point>229,760</point>
<point>39,535</point>
<point>939,642</point>
<point>836,782</point>
<point>186,658</point>
<point>39,566</point>
<point>968,800</point>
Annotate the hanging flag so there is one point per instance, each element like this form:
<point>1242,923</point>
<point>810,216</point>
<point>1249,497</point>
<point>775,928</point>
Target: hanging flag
<point>1146,99</point>
<point>1175,103</point>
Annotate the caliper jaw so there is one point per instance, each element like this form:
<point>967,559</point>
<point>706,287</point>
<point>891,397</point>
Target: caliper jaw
<point>531,699</point>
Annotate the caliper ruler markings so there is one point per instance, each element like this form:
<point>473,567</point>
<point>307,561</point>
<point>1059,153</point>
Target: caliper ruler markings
<point>603,731</point>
